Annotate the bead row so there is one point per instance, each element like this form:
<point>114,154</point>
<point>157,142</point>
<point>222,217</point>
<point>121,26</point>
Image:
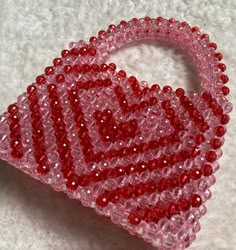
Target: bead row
<point>111,131</point>
<point>166,210</point>
<point>126,108</point>
<point>37,131</point>
<point>60,132</point>
<point>153,186</point>
<point>15,132</point>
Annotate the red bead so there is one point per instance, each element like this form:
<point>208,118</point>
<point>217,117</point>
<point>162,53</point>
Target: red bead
<point>52,88</point>
<point>103,67</point>
<point>155,87</point>
<point>83,51</point>
<point>218,56</point>
<point>212,46</point>
<point>171,21</point>
<point>204,36</point>
<point>122,73</point>
<point>13,119</point>
<point>72,184</point>
<point>159,19</point>
<point>195,151</point>
<point>199,139</point>
<point>65,53</point>
<point>183,204</point>
<point>134,219</point>
<point>211,156</point>
<point>132,80</point>
<point>207,170</point>
<point>196,200</point>
<point>166,104</point>
<point>77,68</point>
<point>127,192</point>
<point>160,211</point>
<point>74,52</point>
<point>49,70</point>
<point>224,119</point>
<point>60,78</point>
<point>166,89</point>
<point>92,51</point>
<point>222,67</point>
<point>220,131</point>
<point>93,39</point>
<point>42,160</point>
<point>102,33</point>
<point>16,153</point>
<point>15,144</point>
<point>123,23</point>
<point>225,90</point>
<point>68,69</point>
<point>184,24</point>
<point>206,96</point>
<point>224,78</point>
<point>43,169</point>
<point>114,196</point>
<point>31,89</point>
<point>172,209</point>
<point>147,215</point>
<point>95,68</point>
<point>217,111</point>
<point>195,29</point>
<point>83,180</point>
<point>86,68</point>
<point>111,67</point>
<point>203,127</point>
<point>102,200</point>
<point>12,109</point>
<point>215,143</point>
<point>195,174</point>
<point>180,92</point>
<point>96,175</point>
<point>40,79</point>
<point>57,62</point>
<point>184,179</point>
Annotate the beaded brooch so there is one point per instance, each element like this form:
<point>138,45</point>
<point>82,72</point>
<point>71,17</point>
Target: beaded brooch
<point>143,156</point>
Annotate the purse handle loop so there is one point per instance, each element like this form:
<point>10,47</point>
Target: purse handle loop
<point>196,44</point>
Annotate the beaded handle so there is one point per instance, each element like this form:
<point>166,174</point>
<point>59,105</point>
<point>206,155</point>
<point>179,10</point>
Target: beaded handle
<point>197,45</point>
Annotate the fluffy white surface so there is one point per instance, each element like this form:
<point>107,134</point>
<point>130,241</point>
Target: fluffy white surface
<point>32,215</point>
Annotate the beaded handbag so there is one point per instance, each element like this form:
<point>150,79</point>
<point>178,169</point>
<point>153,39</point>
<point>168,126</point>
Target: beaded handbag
<point>142,156</point>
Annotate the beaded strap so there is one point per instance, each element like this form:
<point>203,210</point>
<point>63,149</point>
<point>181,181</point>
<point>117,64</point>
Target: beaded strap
<point>190,40</point>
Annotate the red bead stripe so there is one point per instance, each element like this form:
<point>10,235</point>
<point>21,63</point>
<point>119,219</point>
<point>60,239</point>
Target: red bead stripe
<point>194,114</point>
<point>15,132</point>
<point>37,131</point>
<point>171,116</point>
<point>82,130</point>
<point>161,210</point>
<point>60,132</point>
<point>140,148</point>
<point>126,108</point>
<point>135,86</point>
<point>215,107</point>
<point>94,84</point>
<point>158,163</point>
<point>151,186</point>
<point>111,131</point>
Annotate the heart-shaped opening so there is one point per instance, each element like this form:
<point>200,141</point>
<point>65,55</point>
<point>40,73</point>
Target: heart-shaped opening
<point>159,63</point>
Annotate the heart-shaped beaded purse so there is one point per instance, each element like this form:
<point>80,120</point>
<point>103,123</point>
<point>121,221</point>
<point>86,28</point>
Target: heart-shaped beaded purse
<point>142,156</point>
